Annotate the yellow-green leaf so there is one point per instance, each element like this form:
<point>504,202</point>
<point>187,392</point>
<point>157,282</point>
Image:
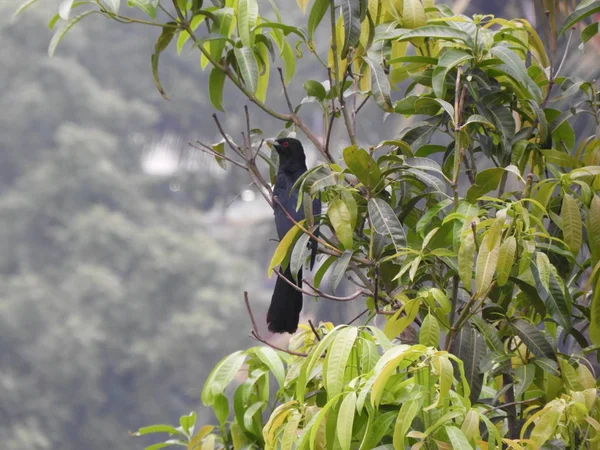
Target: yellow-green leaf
<point>216,81</point>
<point>413,15</point>
<point>406,415</point>
<point>593,229</point>
<point>506,260</point>
<point>345,420</point>
<point>571,223</point>
<point>595,315</point>
<point>336,360</point>
<point>429,334</point>
<point>341,219</point>
<point>401,319</point>
<point>284,245</point>
<point>247,16</point>
<point>303,4</point>
<point>487,259</point>
<point>466,256</point>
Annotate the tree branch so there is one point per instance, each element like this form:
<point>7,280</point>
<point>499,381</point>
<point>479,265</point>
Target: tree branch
<point>254,334</point>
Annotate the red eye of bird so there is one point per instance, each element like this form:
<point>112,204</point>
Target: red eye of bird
<point>285,144</point>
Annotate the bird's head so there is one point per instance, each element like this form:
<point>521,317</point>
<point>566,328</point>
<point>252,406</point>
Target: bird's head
<point>291,153</point>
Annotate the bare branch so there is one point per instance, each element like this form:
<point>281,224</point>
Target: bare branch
<point>285,92</point>
<point>256,335</point>
<point>314,330</point>
<point>206,149</point>
<point>335,298</point>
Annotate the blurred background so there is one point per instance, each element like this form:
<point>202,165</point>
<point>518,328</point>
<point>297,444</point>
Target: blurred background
<point>124,253</point>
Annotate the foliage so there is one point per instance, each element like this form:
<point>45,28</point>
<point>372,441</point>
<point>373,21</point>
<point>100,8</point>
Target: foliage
<point>477,225</point>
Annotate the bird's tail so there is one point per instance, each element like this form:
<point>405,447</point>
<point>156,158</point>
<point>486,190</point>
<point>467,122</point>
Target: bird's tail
<point>284,312</point>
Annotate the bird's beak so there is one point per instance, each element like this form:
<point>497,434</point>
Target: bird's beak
<point>273,143</point>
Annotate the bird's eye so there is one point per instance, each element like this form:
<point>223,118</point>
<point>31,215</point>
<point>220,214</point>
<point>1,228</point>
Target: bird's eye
<point>285,144</point>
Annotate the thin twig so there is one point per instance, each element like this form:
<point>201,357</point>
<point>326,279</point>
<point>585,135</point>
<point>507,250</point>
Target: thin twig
<point>504,405</point>
<point>231,144</point>
<point>295,286</point>
<point>358,317</point>
<point>256,335</point>
<point>285,92</point>
<point>314,330</point>
<point>335,298</point>
<point>367,97</point>
<point>206,149</point>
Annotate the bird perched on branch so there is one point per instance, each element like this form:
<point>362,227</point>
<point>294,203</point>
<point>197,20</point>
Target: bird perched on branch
<point>284,312</point>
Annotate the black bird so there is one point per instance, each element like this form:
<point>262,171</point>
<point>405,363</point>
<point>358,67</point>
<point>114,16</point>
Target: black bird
<point>284,312</point>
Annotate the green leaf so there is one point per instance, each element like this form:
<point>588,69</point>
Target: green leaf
<point>299,254</point>
<point>589,32</point>
<point>317,12</point>
<point>216,82</point>
<point>506,260</point>
<point>284,245</point>
<point>184,36</point>
<point>524,376</point>
<point>401,319</point>
<point>340,269</point>
<point>466,255</point>
<point>477,118</point>
<point>64,9</point>
<point>323,268</point>
<point>487,259</point>
<point>290,432</point>
<point>289,62</point>
<point>247,13</point>
<point>558,304</point>
<point>60,34</point>
<point>158,429</point>
<point>532,295</point>
<point>363,166</point>
<point>345,420</point>
<point>351,16</point>
<point>449,60</point>
<point>486,181</point>
<point>413,14</point>
<point>380,85</point>
<point>457,438</point>
<point>515,67</point>
<point>595,315</point>
<point>571,223</point>
<point>469,346</point>
<point>429,334</point>
<point>271,359</point>
<point>337,359</point>
<point>542,263</point>
<point>545,426</point>
<point>248,67</point>
<point>340,218</point>
<point>385,222</point>
<point>221,376</point>
<point>408,412</point>
<point>533,339</point>
<point>148,6</point>
<point>437,32</point>
<point>24,6</point>
<point>221,408</point>
<point>583,11</point>
<point>315,89</point>
<point>112,5</point>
